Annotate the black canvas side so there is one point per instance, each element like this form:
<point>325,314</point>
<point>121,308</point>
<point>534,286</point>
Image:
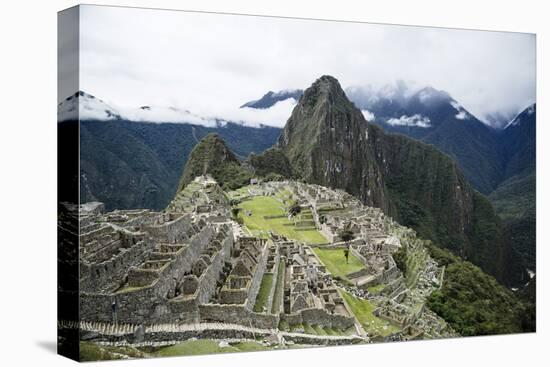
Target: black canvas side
<point>68,192</point>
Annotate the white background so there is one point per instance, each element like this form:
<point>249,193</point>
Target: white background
<point>28,182</point>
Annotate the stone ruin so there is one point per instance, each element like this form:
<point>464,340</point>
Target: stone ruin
<point>192,264</point>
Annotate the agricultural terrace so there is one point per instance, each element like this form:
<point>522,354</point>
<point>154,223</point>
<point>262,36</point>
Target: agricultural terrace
<point>362,309</point>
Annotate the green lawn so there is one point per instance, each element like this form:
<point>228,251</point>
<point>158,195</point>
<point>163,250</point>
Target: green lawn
<point>194,347</point>
<point>266,206</point>
<point>363,312</point>
<point>308,329</point>
<point>319,330</point>
<point>94,352</point>
<point>206,346</point>
<point>263,293</point>
<point>336,264</point>
<point>376,288</point>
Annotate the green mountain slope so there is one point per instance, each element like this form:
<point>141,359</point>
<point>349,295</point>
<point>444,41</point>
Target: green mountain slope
<point>474,303</point>
<point>272,160</point>
<point>516,196</point>
<point>329,142</point>
<point>212,156</point>
<point>128,164</point>
<point>474,146</point>
<point>120,169</point>
<point>519,143</point>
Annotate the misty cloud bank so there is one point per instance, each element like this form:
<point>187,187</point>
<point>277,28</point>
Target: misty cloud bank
<point>415,121</point>
<point>210,64</point>
<point>89,107</point>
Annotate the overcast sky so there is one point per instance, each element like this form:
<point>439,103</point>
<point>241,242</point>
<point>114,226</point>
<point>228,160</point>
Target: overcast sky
<point>211,64</point>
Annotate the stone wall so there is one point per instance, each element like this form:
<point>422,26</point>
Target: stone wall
<point>132,307</point>
<point>184,309</point>
<point>173,333</point>
<point>356,253</point>
<point>358,273</point>
<point>237,314</point>
<point>321,339</point>
<point>234,296</point>
<point>257,278</point>
<point>328,233</point>
<point>94,231</point>
<point>269,302</point>
<point>319,316</point>
<point>208,280</point>
<point>148,304</point>
<point>170,232</point>
<point>138,277</point>
<point>111,273</point>
<point>292,318</point>
<point>390,274</point>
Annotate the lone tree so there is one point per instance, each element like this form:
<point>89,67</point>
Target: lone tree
<point>235,212</point>
<point>346,254</point>
<point>400,258</point>
<point>295,209</point>
<point>346,235</point>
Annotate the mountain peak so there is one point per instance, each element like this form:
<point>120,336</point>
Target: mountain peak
<point>323,112</point>
<point>327,79</point>
<point>327,83</point>
<point>212,156</point>
<point>526,115</point>
<point>429,96</point>
<point>213,138</point>
<point>326,89</point>
<point>85,106</point>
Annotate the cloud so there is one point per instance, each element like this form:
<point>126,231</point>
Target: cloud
<point>462,113</point>
<point>273,116</point>
<point>212,63</point>
<point>90,107</point>
<point>413,121</point>
<point>369,116</point>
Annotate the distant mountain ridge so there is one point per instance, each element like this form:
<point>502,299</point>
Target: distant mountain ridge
<point>515,198</point>
<point>128,164</point>
<point>270,98</point>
